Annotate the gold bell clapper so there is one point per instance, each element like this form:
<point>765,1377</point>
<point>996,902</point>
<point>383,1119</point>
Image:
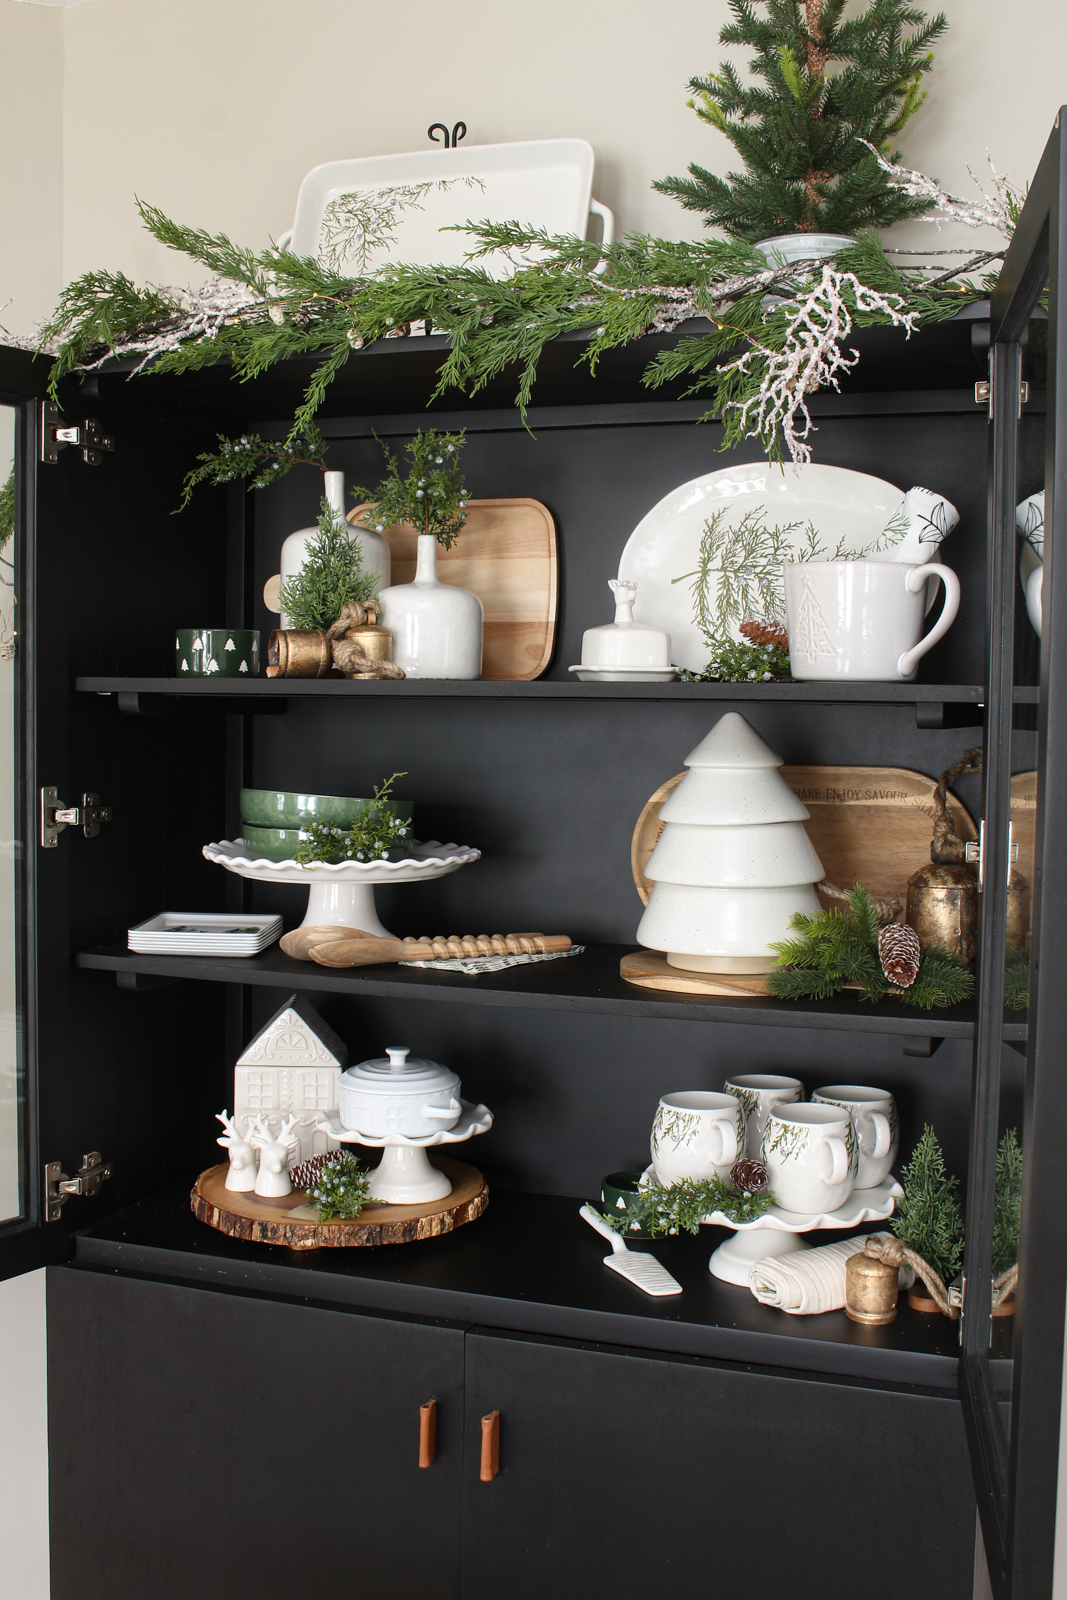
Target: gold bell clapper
<point>942,904</point>
<point>871,1289</point>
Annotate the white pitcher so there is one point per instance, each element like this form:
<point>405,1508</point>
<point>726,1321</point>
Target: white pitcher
<point>862,619</point>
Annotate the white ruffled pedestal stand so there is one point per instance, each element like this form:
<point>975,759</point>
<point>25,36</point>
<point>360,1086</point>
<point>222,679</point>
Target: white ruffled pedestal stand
<point>404,1176</point>
<point>779,1232</point>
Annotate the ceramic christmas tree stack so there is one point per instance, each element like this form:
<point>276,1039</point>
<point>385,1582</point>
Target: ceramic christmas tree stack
<point>733,862</point>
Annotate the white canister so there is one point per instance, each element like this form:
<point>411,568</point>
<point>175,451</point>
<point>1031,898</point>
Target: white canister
<point>624,642</point>
<point>375,553</point>
<point>758,1094</point>
<point>874,1116</point>
<point>697,1135</point>
<point>394,1095</point>
<point>811,1154</point>
<point>862,620</point>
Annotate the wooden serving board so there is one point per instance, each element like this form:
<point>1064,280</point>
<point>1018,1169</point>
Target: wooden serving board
<point>869,825</point>
<point>291,1222</point>
<point>507,556</point>
<point>1024,820</point>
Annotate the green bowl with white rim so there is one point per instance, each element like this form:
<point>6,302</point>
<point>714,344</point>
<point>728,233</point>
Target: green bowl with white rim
<point>617,1192</point>
<point>279,809</point>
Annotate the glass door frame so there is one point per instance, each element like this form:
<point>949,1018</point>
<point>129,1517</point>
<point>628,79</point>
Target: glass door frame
<point>1016,1478</point>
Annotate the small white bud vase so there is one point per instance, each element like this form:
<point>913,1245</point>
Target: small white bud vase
<point>436,627</point>
<point>375,552</point>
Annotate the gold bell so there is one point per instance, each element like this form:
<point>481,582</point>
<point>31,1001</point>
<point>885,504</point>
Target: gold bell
<point>871,1289</point>
<point>298,653</point>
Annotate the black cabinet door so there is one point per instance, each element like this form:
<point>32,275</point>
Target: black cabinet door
<point>210,1445</point>
<point>632,1476</point>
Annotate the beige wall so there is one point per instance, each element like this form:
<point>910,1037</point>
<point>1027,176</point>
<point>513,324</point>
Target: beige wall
<point>31,162</point>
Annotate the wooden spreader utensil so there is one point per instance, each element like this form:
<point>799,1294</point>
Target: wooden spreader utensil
<point>351,947</point>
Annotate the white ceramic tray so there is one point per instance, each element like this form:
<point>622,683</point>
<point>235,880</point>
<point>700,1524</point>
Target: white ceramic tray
<point>665,545</point>
<point>542,183</point>
<point>204,933</point>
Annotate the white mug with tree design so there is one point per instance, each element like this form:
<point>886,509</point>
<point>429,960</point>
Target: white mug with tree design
<point>874,1115</point>
<point>698,1134</point>
<point>811,1154</point>
<point>863,620</point>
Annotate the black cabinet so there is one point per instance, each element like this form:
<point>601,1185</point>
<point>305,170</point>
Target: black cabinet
<point>215,1445</point>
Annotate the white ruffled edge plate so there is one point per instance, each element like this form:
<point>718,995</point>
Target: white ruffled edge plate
<point>862,1205</point>
<point>426,859</point>
<point>473,1120</point>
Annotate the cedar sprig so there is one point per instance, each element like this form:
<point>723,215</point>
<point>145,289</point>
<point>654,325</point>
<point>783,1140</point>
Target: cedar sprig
<point>341,1189</point>
<point>928,1218</point>
<point>374,833</point>
<point>261,461</point>
<point>331,576</point>
<point>662,1209</point>
<point>1016,978</point>
<point>431,495</point>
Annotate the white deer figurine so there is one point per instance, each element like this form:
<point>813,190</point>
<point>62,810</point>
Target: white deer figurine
<point>272,1179</point>
<point>242,1173</point>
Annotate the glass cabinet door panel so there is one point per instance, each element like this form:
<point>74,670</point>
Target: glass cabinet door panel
<point>12,1096</point>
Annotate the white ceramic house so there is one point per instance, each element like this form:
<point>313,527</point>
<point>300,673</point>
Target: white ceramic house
<point>733,862</point>
<point>291,1068</point>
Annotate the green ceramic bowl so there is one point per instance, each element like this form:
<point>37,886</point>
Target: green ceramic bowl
<point>275,808</point>
<point>617,1190</point>
<point>216,652</point>
<point>276,844</point>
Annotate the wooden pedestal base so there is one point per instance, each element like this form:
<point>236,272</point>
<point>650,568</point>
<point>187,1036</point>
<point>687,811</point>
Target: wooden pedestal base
<point>291,1222</point>
<point>652,970</point>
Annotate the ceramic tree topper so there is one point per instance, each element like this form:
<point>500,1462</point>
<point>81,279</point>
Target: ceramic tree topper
<point>242,1174</point>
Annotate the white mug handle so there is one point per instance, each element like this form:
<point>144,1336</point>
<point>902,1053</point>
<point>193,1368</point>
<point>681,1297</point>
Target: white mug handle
<point>727,1132</point>
<point>839,1155</point>
<point>914,579</point>
<point>883,1137</point>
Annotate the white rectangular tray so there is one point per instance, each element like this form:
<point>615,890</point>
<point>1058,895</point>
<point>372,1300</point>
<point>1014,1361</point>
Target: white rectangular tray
<point>204,933</point>
<point>540,183</point>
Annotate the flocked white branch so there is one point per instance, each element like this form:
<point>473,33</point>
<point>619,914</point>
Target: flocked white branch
<point>992,211</point>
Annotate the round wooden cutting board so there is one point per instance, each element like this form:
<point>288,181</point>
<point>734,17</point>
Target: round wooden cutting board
<point>869,825</point>
<point>291,1222</point>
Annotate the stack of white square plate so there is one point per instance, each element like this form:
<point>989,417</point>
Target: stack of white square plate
<point>204,933</point>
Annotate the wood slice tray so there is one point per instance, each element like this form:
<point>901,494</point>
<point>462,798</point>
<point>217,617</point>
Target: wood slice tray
<point>291,1222</point>
<point>869,825</point>
<point>507,556</point>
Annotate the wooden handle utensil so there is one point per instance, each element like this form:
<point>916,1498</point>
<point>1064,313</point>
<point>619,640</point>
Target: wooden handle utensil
<point>357,949</point>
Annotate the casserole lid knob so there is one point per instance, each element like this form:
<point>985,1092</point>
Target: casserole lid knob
<point>398,1056</point>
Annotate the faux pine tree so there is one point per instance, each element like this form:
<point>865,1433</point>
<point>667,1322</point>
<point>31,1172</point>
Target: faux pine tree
<point>828,82</point>
<point>928,1219</point>
<point>1007,1202</point>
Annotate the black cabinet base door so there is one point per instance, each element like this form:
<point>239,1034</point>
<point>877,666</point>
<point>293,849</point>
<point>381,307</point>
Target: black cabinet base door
<point>631,1477</point>
<point>207,1446</point>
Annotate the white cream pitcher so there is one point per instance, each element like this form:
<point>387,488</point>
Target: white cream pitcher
<point>863,620</point>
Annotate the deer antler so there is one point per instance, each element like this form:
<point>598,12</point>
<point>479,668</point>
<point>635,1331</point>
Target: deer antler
<point>286,1128</point>
<point>259,1133</point>
<point>231,1135</point>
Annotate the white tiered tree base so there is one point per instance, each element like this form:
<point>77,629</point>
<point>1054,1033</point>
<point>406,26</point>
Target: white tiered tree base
<point>342,895</point>
<point>404,1176</point>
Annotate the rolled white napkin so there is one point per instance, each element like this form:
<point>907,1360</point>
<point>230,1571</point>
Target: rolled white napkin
<point>806,1282</point>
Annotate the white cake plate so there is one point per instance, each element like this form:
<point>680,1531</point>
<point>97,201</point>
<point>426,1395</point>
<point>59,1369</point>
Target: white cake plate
<point>342,895</point>
<point>778,1232</point>
<point>405,1176</point>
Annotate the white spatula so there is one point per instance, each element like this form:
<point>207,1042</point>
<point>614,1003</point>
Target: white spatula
<point>641,1269</point>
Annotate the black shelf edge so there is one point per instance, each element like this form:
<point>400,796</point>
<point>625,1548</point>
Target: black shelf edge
<point>529,1265</point>
<point>265,689</point>
<point>589,982</point>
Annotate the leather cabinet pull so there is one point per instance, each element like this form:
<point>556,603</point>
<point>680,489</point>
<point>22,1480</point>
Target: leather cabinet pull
<point>490,1447</point>
<point>427,1432</point>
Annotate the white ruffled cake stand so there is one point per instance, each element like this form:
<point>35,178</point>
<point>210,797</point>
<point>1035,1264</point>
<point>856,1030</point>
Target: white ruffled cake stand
<point>342,894</point>
<point>405,1176</point>
<point>778,1232</point>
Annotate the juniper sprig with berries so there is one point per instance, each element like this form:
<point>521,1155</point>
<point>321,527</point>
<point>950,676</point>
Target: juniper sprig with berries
<point>341,1188</point>
<point>662,1209</point>
<point>431,495</point>
<point>374,834</point>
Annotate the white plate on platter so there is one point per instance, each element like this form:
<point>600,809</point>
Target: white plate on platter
<point>541,183</point>
<point>625,674</point>
<point>204,933</point>
<point>842,505</point>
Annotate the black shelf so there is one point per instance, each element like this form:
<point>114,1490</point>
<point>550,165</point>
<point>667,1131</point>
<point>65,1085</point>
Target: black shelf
<point>530,1265</point>
<point>588,982</point>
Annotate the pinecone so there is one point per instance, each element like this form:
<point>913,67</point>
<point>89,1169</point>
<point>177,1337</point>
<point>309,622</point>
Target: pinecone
<point>306,1174</point>
<point>900,952</point>
<point>749,1176</point>
<point>764,631</point>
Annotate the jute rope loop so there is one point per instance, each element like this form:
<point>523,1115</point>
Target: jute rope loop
<point>895,1254</point>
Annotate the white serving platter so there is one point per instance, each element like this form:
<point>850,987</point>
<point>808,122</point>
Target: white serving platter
<point>842,505</point>
<point>204,933</point>
<point>540,183</point>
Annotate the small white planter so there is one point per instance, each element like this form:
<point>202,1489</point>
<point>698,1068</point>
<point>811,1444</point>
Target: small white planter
<point>436,627</point>
<point>789,247</point>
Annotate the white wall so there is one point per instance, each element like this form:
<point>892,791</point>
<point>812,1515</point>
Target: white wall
<point>31,163</point>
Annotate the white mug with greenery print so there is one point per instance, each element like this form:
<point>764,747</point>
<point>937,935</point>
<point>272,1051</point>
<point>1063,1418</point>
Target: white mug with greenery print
<point>874,1115</point>
<point>697,1135</point>
<point>759,1093</point>
<point>811,1154</point>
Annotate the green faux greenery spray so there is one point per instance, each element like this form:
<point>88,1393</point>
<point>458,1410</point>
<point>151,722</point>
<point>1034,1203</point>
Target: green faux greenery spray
<point>331,577</point>
<point>928,1219</point>
<point>373,834</point>
<point>341,1189</point>
<point>431,495</point>
<point>1007,1202</point>
<point>827,87</point>
<point>7,509</point>
<point>681,1207</point>
<point>261,461</point>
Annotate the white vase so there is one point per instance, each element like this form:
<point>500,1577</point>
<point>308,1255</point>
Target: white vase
<point>436,628</point>
<point>376,557</point>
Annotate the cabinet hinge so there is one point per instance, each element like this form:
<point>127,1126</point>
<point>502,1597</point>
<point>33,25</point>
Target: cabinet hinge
<point>974,851</point>
<point>58,1188</point>
<point>983,394</point>
<point>57,433</point>
<point>55,816</point>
